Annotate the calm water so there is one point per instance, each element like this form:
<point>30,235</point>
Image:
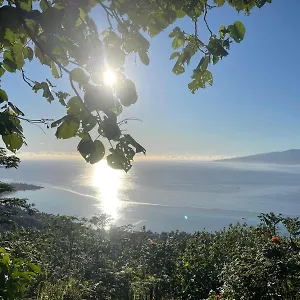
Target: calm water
<point>162,195</point>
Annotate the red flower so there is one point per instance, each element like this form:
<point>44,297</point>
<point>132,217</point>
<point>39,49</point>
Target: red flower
<point>275,239</point>
<point>153,243</point>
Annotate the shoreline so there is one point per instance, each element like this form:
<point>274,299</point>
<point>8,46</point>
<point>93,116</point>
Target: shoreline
<point>21,187</point>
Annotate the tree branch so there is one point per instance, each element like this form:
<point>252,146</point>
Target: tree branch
<point>35,40</point>
<point>205,21</point>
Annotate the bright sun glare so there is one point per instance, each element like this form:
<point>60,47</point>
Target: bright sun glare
<point>108,183</point>
<point>109,78</point>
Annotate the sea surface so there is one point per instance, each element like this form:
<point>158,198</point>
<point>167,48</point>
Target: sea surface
<point>162,195</point>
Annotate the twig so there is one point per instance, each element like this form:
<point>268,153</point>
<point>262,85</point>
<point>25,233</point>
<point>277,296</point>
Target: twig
<point>34,39</point>
<point>205,21</point>
<point>26,79</point>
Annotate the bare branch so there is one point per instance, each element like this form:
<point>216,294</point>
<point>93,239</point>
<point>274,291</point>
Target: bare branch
<point>205,21</point>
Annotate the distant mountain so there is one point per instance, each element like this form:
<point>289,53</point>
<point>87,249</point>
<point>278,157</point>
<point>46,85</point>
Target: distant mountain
<point>289,157</point>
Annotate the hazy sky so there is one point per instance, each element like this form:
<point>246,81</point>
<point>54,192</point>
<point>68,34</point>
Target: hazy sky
<point>253,106</point>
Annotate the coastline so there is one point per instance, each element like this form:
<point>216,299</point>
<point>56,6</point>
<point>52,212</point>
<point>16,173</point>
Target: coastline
<point>20,187</point>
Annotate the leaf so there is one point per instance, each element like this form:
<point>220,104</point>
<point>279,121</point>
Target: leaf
<point>260,3</point>
<point>16,110</point>
<point>98,152</point>
<point>44,4</point>
<point>178,42</point>
<point>68,128</point>
<point>144,57</point>
<point>26,4</point>
<point>215,59</point>
<point>91,151</point>
<point>3,96</point>
<point>54,70</point>
<point>126,93</point>
<point>56,123</point>
<point>115,57</point>
<point>2,71</point>
<point>79,76</point>
<point>174,55</point>
<point>215,47</point>
<point>35,268</point>
<point>9,65</point>
<point>237,31</point>
<point>13,141</point>
<point>62,97</point>
<point>110,129</point>
<point>118,162</point>
<point>204,62</point>
<point>74,106</point>
<point>28,53</point>
<point>46,90</point>
<point>219,2</point>
<point>200,78</point>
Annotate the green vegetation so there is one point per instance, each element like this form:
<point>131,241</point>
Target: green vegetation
<point>64,37</point>
<point>59,257</point>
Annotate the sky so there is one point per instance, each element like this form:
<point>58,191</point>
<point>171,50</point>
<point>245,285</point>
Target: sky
<point>252,107</point>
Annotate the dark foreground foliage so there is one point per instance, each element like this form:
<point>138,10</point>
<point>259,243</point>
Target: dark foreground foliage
<point>60,257</point>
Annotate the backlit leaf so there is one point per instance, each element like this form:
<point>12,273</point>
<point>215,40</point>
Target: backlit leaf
<point>3,96</point>
<point>237,31</point>
<point>13,141</point>
<point>68,128</point>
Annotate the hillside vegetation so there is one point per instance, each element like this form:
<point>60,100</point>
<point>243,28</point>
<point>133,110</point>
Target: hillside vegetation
<point>60,257</point>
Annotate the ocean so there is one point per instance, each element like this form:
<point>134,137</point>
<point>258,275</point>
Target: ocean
<point>162,195</point>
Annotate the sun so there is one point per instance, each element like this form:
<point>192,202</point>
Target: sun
<point>109,78</point>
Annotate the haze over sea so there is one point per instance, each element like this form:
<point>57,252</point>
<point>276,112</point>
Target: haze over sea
<point>162,195</point>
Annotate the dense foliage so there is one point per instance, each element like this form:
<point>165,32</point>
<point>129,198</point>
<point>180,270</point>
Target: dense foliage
<point>63,35</point>
<point>60,257</point>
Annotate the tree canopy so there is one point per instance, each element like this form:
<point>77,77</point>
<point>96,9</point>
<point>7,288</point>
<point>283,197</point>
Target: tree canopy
<point>63,36</point>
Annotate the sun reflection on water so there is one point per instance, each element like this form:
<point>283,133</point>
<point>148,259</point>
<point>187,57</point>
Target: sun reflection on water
<point>108,182</point>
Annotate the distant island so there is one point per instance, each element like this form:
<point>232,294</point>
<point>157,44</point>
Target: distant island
<point>288,157</point>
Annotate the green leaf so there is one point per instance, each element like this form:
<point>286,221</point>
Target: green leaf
<point>118,162</point>
<point>174,55</point>
<point>219,2</point>
<point>91,151</point>
<point>204,62</point>
<point>237,31</point>
<point>2,71</point>
<point>144,57</point>
<point>260,3</point>
<point>74,106</point>
<point>178,42</point>
<point>68,128</point>
<point>46,90</point>
<point>15,109</point>
<point>3,96</point>
<point>175,32</point>
<point>215,59</point>
<point>9,65</point>
<point>79,76</point>
<point>56,123</point>
<point>115,57</point>
<point>35,268</point>
<point>200,78</point>
<point>28,53</point>
<point>126,93</point>
<point>13,141</point>
<point>17,55</point>
<point>110,129</point>
<point>180,13</point>
<point>54,70</point>
<point>62,97</point>
<point>98,152</point>
<point>44,4</point>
